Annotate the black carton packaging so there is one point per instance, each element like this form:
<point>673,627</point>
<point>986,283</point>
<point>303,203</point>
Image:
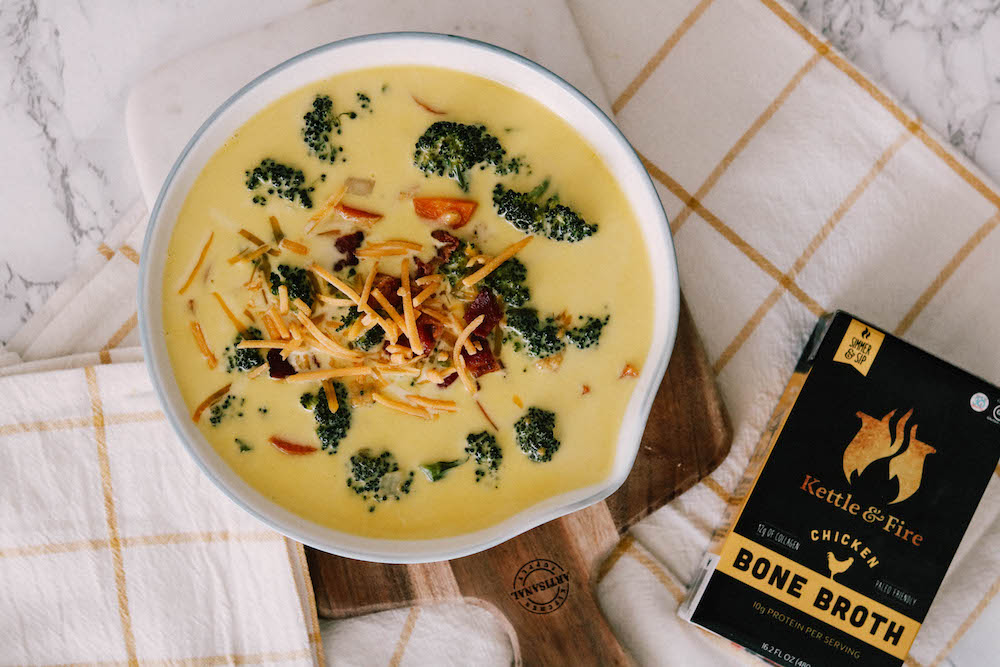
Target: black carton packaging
<point>854,503</point>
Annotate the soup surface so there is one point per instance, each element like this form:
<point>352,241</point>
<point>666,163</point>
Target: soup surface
<point>408,303</point>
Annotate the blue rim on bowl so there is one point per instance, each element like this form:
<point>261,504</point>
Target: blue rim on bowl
<point>413,551</point>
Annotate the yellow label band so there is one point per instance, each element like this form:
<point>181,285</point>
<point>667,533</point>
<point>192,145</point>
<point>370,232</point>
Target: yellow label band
<point>817,595</point>
<point>859,346</point>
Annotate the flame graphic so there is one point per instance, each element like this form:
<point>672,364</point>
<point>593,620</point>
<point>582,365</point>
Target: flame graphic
<point>875,441</point>
<point>908,467</point>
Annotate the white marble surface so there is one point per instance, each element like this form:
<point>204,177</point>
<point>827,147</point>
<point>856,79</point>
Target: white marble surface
<point>66,175</point>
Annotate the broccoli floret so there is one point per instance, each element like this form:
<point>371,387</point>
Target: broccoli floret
<point>564,224</point>
<point>320,123</point>
<point>456,267</point>
<point>507,281</point>
<point>296,280</point>
<point>483,449</point>
<point>540,339</point>
<point>453,149</point>
<point>331,427</point>
<point>377,477</point>
<point>519,209</point>
<point>534,433</point>
<point>279,179</point>
<point>243,359</point>
<point>437,470</point>
<point>244,447</point>
<point>225,407</point>
<point>364,101</point>
<point>588,333</point>
<point>370,338</point>
<point>352,314</point>
<point>550,219</point>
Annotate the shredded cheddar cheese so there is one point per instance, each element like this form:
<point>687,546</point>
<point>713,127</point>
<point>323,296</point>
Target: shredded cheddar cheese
<point>197,265</point>
<point>495,263</point>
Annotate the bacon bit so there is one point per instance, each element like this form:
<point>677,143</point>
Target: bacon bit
<point>586,390</point>
<point>449,243</point>
<point>455,213</point>
<point>208,402</point>
<point>518,402</point>
<point>199,339</point>
<point>629,371</point>
<point>232,318</point>
<point>427,107</point>
<point>484,304</point>
<point>347,245</point>
<point>294,246</point>
<point>357,215</point>
<point>423,269</point>
<point>197,265</point>
<point>278,366</point>
<point>389,287</point>
<point>488,418</point>
<point>429,330</point>
<point>481,362</point>
<point>405,408</point>
<point>448,379</point>
<point>290,447</point>
<point>359,186</point>
<point>495,263</point>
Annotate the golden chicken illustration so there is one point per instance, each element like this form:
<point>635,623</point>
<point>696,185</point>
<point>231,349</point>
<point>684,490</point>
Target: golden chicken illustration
<point>873,441</point>
<point>838,566</point>
<point>908,467</point>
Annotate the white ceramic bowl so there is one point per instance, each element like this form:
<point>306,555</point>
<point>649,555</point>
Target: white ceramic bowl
<point>465,55</point>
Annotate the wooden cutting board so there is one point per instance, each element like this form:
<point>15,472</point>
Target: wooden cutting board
<point>687,436</point>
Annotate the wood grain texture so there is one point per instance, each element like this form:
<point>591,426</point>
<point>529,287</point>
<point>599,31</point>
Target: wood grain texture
<point>687,436</point>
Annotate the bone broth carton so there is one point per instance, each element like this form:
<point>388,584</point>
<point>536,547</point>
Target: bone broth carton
<point>855,502</point>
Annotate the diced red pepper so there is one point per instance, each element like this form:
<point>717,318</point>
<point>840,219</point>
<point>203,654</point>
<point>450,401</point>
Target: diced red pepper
<point>357,215</point>
<point>291,447</point>
<point>437,208</point>
<point>484,304</point>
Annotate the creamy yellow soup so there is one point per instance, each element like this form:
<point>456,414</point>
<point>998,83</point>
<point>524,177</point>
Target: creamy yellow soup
<point>383,113</point>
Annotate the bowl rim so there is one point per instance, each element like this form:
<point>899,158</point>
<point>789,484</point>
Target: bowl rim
<point>518,523</point>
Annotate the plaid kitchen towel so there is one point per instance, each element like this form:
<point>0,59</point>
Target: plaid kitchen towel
<point>794,186</point>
